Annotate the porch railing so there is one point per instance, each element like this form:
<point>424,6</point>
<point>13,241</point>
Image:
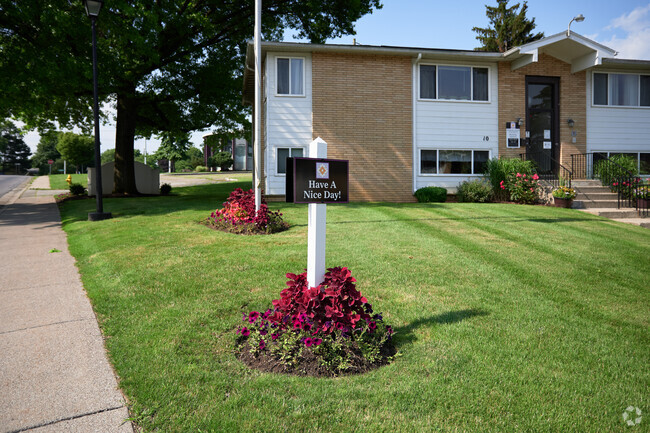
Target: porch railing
<point>611,174</point>
<point>549,169</point>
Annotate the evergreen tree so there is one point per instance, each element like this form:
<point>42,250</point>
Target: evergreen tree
<point>13,149</point>
<point>508,28</point>
<point>46,150</point>
<point>173,147</point>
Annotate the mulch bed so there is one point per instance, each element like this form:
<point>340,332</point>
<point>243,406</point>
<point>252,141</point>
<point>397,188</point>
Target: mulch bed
<point>309,364</point>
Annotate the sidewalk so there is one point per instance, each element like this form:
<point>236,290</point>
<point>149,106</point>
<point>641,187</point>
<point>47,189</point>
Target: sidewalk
<point>54,373</point>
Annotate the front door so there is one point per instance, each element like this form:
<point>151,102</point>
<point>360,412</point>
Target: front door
<point>542,122</point>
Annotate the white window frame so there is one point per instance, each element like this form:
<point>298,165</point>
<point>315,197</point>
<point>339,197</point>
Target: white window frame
<point>609,104</point>
<point>616,152</point>
<point>277,159</point>
<point>438,174</point>
<point>471,92</point>
<point>304,81</point>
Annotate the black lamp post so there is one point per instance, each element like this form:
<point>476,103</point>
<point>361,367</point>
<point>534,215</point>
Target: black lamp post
<point>92,10</point>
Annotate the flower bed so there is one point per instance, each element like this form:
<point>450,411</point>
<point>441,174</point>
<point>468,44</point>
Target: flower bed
<point>522,188</point>
<point>238,216</point>
<point>327,330</point>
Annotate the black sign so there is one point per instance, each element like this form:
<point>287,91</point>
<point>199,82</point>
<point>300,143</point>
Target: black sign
<point>315,180</point>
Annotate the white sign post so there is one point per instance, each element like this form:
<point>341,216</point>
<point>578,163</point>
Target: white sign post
<point>317,214</point>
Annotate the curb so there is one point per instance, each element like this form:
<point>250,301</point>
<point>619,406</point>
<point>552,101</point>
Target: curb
<point>10,198</point>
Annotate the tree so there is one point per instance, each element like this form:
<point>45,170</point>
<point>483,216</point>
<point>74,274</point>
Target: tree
<point>46,150</point>
<point>13,149</point>
<point>508,28</point>
<point>173,147</point>
<point>167,65</point>
<point>77,149</point>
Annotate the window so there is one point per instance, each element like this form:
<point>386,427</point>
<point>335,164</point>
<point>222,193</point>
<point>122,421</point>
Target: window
<point>429,162</point>
<point>457,83</point>
<point>290,76</point>
<point>621,90</point>
<point>285,152</point>
<point>642,159</point>
<point>448,161</point>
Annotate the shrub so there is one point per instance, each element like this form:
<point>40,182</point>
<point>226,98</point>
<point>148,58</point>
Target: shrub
<point>618,166</point>
<point>431,194</point>
<point>221,159</point>
<point>238,215</point>
<point>324,330</point>
<point>200,168</point>
<point>497,170</point>
<point>522,187</point>
<point>77,189</point>
<point>475,191</point>
<point>165,189</point>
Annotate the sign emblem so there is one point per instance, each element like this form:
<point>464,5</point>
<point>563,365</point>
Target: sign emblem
<point>322,170</point>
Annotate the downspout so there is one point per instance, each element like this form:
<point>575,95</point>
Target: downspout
<point>414,120</point>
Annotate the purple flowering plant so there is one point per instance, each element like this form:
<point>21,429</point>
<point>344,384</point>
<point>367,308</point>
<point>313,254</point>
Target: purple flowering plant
<point>332,321</point>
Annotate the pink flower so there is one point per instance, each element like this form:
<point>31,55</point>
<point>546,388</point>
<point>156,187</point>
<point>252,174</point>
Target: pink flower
<point>519,175</point>
<point>309,342</point>
<point>317,341</point>
<point>502,186</point>
<point>262,344</point>
<point>245,332</point>
<point>535,176</point>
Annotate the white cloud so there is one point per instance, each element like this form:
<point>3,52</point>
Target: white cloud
<point>634,39</point>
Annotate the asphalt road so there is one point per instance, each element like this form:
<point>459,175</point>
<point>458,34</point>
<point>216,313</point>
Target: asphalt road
<point>9,182</point>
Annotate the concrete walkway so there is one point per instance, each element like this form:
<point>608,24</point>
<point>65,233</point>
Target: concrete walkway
<point>54,372</point>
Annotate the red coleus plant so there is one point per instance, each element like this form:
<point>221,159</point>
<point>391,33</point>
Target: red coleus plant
<point>333,321</point>
<point>335,304</point>
<point>238,212</point>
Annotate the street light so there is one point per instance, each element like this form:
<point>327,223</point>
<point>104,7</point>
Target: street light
<point>92,10</point>
<point>580,18</point>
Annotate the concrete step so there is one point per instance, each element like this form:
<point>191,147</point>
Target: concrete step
<point>592,189</point>
<point>579,183</point>
<point>596,204</point>
<point>614,213</point>
<point>596,196</point>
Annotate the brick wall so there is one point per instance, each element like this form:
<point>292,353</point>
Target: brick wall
<point>573,100</point>
<point>362,108</point>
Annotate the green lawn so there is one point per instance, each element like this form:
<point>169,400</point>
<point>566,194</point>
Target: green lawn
<point>57,181</point>
<point>508,318</point>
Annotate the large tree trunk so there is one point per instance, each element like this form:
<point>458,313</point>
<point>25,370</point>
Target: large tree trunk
<point>124,144</point>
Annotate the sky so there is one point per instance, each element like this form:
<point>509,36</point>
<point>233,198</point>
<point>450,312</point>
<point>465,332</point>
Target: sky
<point>623,25</point>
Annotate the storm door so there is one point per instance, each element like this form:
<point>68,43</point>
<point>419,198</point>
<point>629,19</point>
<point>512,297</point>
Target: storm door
<point>542,123</point>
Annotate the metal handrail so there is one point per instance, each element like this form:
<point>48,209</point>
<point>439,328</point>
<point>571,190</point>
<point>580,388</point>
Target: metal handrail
<point>553,177</point>
<point>623,183</point>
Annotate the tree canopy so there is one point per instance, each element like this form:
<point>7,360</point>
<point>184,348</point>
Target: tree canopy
<point>170,65</point>
<point>77,149</point>
<point>509,27</point>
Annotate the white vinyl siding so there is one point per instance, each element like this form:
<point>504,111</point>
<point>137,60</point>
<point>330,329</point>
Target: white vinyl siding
<point>287,120</point>
<point>454,125</point>
<point>616,129</point>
